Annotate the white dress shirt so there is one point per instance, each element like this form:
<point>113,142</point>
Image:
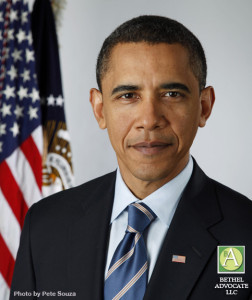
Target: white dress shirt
<point>163,202</point>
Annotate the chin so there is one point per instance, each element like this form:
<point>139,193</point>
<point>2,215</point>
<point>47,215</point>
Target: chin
<point>150,173</point>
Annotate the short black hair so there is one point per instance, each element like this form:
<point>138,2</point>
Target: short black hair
<point>153,30</point>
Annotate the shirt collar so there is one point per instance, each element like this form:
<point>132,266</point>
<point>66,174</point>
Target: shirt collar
<point>163,201</point>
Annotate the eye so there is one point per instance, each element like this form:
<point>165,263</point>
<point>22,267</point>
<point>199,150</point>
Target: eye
<point>172,94</point>
<point>128,96</point>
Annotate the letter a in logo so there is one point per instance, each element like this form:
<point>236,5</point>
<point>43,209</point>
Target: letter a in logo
<point>231,259</point>
<point>230,256</point>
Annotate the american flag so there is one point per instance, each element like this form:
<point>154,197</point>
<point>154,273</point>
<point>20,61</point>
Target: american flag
<point>179,258</point>
<point>20,132</point>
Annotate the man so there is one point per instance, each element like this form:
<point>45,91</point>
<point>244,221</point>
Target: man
<point>151,74</point>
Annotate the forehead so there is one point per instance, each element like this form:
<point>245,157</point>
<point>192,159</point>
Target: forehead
<point>141,61</point>
<point>163,50</point>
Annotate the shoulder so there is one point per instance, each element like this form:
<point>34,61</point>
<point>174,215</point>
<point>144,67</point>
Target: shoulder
<point>236,210</point>
<point>68,203</point>
<point>212,200</point>
<point>227,198</point>
<point>230,199</point>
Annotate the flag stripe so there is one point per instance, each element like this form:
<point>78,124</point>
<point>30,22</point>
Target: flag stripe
<point>9,226</point>
<point>6,262</point>
<point>38,139</point>
<point>12,193</point>
<point>24,177</point>
<point>5,291</point>
<point>32,154</point>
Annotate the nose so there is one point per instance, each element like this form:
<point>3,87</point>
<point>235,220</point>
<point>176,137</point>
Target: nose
<point>151,115</point>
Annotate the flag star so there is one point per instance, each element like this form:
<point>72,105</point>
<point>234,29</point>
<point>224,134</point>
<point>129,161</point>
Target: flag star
<point>13,15</point>
<point>59,101</point>
<point>9,92</point>
<point>12,72</point>
<point>10,34</point>
<point>1,146</point>
<point>29,55</point>
<point>17,54</point>
<point>22,93</point>
<point>2,129</point>
<point>26,75</point>
<point>15,129</point>
<point>34,95</point>
<point>21,35</point>
<point>1,36</point>
<point>19,111</point>
<point>29,38</point>
<point>33,112</point>
<point>50,100</point>
<point>15,1</point>
<point>24,16</point>
<point>1,16</point>
<point>6,109</point>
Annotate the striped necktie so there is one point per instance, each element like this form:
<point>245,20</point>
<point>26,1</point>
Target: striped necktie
<point>127,275</point>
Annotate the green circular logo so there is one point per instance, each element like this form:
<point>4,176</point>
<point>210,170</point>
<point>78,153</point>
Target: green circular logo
<point>231,259</point>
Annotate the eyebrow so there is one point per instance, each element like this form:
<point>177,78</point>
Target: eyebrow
<point>167,86</point>
<point>124,88</point>
<point>175,85</point>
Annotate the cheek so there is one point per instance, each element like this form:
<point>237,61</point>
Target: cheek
<point>118,126</point>
<point>185,124</point>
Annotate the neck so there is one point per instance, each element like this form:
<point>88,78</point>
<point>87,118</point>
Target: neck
<point>142,188</point>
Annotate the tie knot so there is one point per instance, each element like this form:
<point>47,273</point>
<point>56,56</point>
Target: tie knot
<point>139,217</point>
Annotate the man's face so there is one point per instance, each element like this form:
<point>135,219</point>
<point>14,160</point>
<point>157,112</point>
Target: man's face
<point>151,106</point>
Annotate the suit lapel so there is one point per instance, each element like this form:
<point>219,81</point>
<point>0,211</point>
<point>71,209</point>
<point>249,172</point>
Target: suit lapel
<point>88,237</point>
<point>187,236</point>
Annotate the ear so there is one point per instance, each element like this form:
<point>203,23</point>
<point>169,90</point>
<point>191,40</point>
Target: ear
<point>207,99</point>
<point>98,108</point>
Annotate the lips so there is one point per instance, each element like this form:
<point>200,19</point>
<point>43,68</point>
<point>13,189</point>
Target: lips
<point>151,148</point>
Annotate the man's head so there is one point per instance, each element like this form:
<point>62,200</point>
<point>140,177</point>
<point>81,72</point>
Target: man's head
<point>154,30</point>
<point>152,106</point>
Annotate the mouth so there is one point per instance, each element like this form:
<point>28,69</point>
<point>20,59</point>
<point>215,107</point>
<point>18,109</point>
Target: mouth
<point>151,148</point>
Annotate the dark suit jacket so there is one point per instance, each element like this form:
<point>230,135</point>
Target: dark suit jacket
<point>64,242</point>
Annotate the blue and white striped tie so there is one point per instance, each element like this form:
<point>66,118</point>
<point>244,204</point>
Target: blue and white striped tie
<point>127,275</point>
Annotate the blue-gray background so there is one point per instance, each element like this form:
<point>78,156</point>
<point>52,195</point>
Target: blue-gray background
<point>223,148</point>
